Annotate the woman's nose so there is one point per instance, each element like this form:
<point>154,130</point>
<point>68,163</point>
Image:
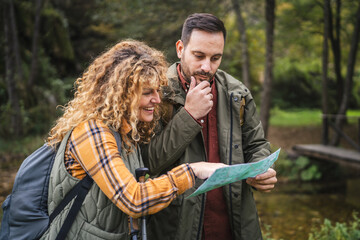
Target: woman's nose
<point>156,97</point>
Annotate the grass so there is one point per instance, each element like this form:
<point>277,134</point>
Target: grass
<point>304,117</point>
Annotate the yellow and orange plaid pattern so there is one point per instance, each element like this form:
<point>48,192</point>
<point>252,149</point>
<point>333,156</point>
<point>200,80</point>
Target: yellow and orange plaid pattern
<point>92,148</point>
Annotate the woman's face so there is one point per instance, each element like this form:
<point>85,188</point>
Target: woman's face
<point>148,100</point>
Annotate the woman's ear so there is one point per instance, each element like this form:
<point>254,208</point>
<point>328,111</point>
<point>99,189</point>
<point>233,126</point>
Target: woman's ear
<point>179,48</point>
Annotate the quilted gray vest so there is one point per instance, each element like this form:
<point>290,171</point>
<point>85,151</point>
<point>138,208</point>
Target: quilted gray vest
<point>98,217</point>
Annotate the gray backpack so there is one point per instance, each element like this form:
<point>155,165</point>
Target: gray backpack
<point>25,210</point>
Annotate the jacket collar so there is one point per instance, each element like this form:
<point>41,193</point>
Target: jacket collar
<point>224,82</point>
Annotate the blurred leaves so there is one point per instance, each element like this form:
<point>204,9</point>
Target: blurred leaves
<point>73,32</point>
<point>338,231</point>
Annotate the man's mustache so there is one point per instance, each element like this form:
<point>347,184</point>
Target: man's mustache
<point>203,73</point>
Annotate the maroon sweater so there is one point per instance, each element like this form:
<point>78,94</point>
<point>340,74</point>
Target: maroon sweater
<point>216,218</point>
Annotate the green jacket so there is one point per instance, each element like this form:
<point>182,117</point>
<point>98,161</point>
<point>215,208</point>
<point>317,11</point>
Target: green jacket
<point>98,217</point>
<point>241,139</point>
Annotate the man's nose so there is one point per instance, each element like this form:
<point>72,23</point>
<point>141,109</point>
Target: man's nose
<point>205,66</point>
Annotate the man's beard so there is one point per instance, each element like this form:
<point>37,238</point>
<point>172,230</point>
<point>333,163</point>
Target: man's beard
<point>187,75</point>
<point>202,73</point>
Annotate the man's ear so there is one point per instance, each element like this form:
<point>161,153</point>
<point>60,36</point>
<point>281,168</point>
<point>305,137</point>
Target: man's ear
<point>179,48</point>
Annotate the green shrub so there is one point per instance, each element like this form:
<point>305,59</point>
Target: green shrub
<point>294,87</point>
<point>338,231</point>
<point>266,233</point>
<point>300,169</point>
<point>327,231</point>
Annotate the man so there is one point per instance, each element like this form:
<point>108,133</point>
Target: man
<point>208,116</point>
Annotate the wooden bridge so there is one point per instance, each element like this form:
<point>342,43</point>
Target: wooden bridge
<point>345,157</point>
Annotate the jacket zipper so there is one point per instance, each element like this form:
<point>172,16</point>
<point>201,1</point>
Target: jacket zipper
<point>201,216</point>
<point>230,157</point>
<point>202,200</point>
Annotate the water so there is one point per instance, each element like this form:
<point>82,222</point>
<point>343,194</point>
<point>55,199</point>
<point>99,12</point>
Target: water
<point>293,210</point>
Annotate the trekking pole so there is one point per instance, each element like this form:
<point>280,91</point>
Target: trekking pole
<point>134,230</point>
<point>140,177</point>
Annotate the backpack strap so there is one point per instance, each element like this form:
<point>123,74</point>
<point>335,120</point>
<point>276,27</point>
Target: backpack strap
<point>79,192</point>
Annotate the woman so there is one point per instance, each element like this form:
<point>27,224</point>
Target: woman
<point>119,91</point>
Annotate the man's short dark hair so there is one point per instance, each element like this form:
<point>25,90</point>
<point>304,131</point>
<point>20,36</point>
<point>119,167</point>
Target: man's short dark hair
<point>201,21</point>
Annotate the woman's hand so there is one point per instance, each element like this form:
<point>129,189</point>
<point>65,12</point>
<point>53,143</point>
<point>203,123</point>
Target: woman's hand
<point>204,170</point>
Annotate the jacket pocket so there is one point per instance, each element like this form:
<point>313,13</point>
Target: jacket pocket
<point>89,232</point>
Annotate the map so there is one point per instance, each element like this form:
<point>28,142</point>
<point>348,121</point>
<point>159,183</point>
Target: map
<point>234,173</point>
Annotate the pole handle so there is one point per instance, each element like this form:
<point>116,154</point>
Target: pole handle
<point>140,174</point>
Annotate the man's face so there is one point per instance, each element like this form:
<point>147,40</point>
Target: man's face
<point>202,56</point>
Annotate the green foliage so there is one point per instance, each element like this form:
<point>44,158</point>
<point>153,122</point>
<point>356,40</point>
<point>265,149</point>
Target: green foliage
<point>232,59</point>
<point>338,231</point>
<point>73,33</point>
<point>158,23</point>
<point>23,146</point>
<point>296,86</point>
<point>266,233</point>
<point>328,231</point>
<point>38,118</point>
<point>301,169</point>
<point>355,96</point>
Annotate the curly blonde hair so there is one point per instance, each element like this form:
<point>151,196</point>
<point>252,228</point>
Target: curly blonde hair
<point>110,90</point>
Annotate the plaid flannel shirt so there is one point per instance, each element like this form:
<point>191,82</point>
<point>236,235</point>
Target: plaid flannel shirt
<point>92,149</point>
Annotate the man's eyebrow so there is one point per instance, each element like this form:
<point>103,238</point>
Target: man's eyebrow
<point>218,55</point>
<point>198,52</point>
<point>215,55</point>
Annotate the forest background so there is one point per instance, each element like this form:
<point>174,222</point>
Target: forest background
<point>276,48</point>
<point>294,55</point>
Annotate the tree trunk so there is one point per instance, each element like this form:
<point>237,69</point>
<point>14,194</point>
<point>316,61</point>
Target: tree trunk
<point>15,40</point>
<point>244,46</point>
<point>266,93</point>
<point>35,46</point>
<point>11,70</point>
<point>336,48</point>
<point>325,60</point>
<point>349,77</point>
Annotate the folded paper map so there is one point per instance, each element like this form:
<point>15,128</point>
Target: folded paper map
<point>234,173</point>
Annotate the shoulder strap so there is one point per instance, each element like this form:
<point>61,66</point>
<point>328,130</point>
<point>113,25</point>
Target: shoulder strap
<point>80,190</point>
